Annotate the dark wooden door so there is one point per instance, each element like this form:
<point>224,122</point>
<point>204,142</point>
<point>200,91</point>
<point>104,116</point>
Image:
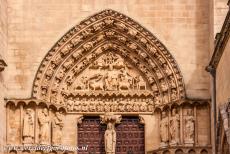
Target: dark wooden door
<point>130,136</point>
<point>91,133</point>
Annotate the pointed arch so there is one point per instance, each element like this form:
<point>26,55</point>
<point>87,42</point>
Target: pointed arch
<point>109,31</point>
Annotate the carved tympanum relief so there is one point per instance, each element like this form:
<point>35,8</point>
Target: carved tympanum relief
<point>109,73</point>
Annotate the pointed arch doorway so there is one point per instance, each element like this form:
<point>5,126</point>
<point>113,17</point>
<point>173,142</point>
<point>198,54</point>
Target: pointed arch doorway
<point>130,135</point>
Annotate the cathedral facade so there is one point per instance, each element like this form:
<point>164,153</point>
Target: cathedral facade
<point>129,78</point>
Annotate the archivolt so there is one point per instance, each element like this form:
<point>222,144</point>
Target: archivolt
<point>109,30</point>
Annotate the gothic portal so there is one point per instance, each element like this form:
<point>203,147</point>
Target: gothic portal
<point>108,83</point>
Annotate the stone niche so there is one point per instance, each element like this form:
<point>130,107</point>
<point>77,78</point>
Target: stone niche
<point>109,65</point>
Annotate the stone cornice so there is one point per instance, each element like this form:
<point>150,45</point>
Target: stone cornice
<point>37,102</point>
<point>33,101</point>
<point>220,43</point>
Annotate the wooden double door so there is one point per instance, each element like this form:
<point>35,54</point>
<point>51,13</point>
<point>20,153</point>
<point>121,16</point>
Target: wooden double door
<point>130,136</point>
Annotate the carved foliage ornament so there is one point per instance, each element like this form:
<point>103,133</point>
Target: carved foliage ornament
<point>108,45</point>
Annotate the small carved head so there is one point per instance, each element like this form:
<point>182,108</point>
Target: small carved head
<point>189,112</point>
<point>45,111</point>
<point>174,111</point>
<point>28,111</point>
<point>164,114</point>
<point>110,126</point>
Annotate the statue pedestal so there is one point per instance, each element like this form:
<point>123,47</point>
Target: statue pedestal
<point>173,143</point>
<point>189,142</point>
<point>163,145</point>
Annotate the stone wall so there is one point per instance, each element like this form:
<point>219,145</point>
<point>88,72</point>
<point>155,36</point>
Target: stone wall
<point>3,50</point>
<point>222,77</point>
<point>34,27</point>
<point>220,11</point>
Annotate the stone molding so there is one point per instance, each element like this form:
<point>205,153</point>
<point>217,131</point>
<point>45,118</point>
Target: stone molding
<point>220,42</point>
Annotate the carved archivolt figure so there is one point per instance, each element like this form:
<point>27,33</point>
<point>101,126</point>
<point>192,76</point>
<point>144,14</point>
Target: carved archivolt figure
<point>44,122</point>
<point>28,127</point>
<point>57,127</point>
<point>189,128</point>
<point>70,104</point>
<point>174,127</point>
<point>77,105</point>
<point>110,139</point>
<point>164,133</point>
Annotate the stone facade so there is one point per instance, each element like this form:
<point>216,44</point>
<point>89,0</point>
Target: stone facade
<point>222,77</point>
<point>109,64</point>
<point>60,72</point>
<point>220,11</point>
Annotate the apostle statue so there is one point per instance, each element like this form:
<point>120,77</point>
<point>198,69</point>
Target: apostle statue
<point>174,127</point>
<point>44,122</point>
<point>28,127</point>
<point>164,133</point>
<point>189,129</point>
<point>57,126</point>
<point>110,139</point>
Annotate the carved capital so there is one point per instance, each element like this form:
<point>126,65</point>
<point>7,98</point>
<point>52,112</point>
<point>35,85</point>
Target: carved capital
<point>109,117</point>
<point>79,119</point>
<point>141,120</point>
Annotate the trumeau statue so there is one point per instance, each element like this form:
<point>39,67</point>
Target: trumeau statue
<point>174,127</point>
<point>164,133</point>
<point>110,139</point>
<point>57,126</point>
<point>44,122</point>
<point>28,127</point>
<point>189,128</point>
